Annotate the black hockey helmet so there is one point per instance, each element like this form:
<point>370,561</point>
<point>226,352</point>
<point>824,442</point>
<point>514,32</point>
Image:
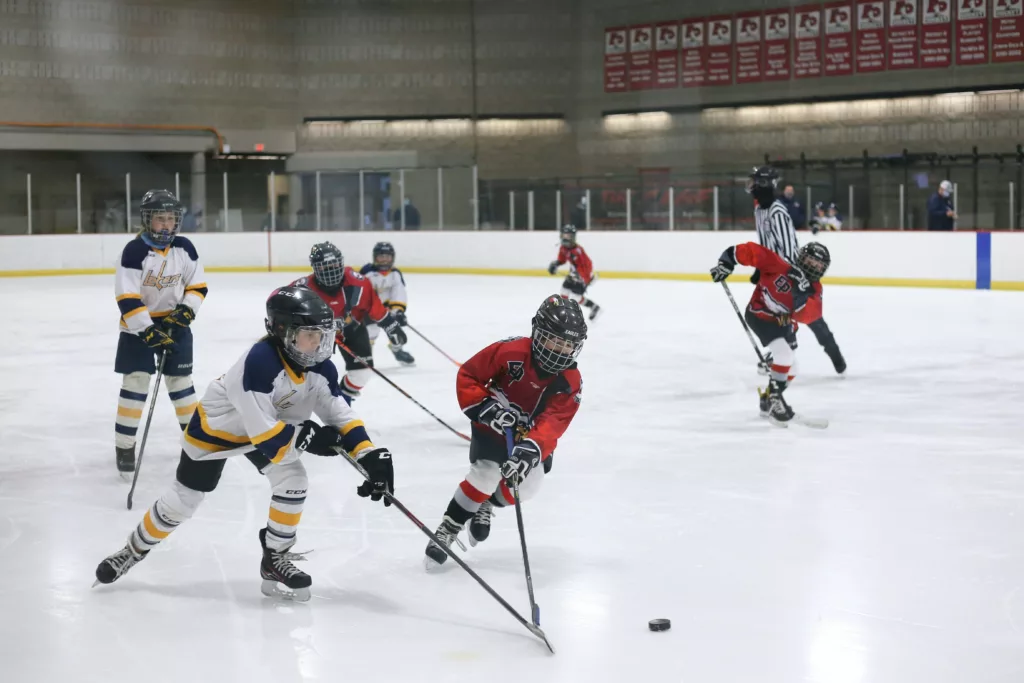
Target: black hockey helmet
<point>159,202</point>
<point>819,206</point>
<point>761,183</point>
<point>328,265</point>
<point>385,250</point>
<point>568,235</point>
<point>559,330</point>
<point>814,259</point>
<point>301,324</point>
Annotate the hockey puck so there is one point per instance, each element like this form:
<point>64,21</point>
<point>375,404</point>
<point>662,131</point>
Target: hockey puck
<point>659,624</point>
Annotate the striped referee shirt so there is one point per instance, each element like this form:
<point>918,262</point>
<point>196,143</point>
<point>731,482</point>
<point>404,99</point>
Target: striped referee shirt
<point>775,230</point>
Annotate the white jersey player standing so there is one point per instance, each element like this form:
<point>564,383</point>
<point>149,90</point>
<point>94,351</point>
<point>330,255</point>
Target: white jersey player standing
<point>160,285</point>
<point>389,283</point>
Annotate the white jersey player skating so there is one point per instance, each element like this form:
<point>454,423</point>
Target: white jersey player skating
<point>389,283</point>
<point>159,287</point>
<point>264,404</point>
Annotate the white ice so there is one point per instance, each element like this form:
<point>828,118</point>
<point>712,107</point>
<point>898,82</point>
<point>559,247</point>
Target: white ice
<point>885,549</point>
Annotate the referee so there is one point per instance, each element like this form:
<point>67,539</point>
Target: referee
<point>775,231</point>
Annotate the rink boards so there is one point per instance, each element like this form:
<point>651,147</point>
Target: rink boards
<point>963,260</point>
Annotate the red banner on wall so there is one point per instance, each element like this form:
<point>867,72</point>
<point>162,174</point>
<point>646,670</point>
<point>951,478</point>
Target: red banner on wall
<point>971,32</point>
<point>694,54</point>
<point>666,55</point>
<point>937,34</point>
<point>777,45</point>
<point>870,36</point>
<point>839,38</point>
<point>615,67</point>
<point>1008,31</point>
<point>641,57</point>
<point>903,35</point>
<point>749,48</point>
<point>807,57</point>
<point>719,50</point>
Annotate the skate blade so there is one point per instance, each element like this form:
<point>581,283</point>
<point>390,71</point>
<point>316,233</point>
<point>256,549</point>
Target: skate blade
<point>777,423</point>
<point>432,566</point>
<point>272,589</point>
<point>127,476</point>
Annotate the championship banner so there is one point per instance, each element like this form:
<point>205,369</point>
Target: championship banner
<point>870,36</point>
<point>839,38</point>
<point>777,45</point>
<point>719,50</point>
<point>1007,31</point>
<point>615,67</point>
<point>808,56</point>
<point>641,57</point>
<point>666,55</point>
<point>971,32</point>
<point>749,48</point>
<point>694,53</point>
<point>903,35</point>
<point>937,34</point>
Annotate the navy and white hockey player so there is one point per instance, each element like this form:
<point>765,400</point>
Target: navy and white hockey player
<point>263,404</point>
<point>160,285</point>
<point>389,283</point>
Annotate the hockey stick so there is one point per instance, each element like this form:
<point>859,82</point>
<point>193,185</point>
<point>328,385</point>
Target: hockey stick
<point>145,432</point>
<point>436,347</point>
<point>746,328</point>
<point>534,607</point>
<point>403,392</point>
<point>533,628</point>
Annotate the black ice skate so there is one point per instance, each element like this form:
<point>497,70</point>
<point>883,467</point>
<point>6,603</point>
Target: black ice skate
<point>281,578</point>
<point>774,406</point>
<point>838,362</point>
<point>480,525</point>
<point>594,312</point>
<point>115,566</point>
<point>447,533</point>
<point>125,460</point>
<point>403,356</point>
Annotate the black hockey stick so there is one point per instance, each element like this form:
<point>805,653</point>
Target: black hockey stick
<point>403,392</point>
<point>534,607</point>
<point>533,628</point>
<point>746,328</point>
<point>436,347</point>
<point>145,432</point>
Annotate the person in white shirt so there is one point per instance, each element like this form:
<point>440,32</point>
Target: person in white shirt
<point>389,283</point>
<point>159,287</point>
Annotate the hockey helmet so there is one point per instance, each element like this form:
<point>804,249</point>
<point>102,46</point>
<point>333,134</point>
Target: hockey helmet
<point>328,265</point>
<point>568,235</point>
<point>559,331</point>
<point>301,324</point>
<point>168,211</point>
<point>384,255</point>
<point>813,259</point>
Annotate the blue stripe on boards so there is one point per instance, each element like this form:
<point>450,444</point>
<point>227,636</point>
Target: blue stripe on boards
<point>984,255</point>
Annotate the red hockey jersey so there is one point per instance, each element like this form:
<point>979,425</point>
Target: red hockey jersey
<point>775,294</point>
<point>544,404</point>
<point>354,300</point>
<point>579,261</point>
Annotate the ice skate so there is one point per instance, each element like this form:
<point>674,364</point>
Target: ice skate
<point>403,356</point>
<point>125,458</point>
<point>117,565</point>
<point>281,578</point>
<point>774,406</point>
<point>480,525</point>
<point>447,532</point>
<point>594,312</point>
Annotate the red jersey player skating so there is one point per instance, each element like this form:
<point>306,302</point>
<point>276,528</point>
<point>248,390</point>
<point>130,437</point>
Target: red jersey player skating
<point>581,270</point>
<point>355,305</point>
<point>530,384</point>
<point>783,296</point>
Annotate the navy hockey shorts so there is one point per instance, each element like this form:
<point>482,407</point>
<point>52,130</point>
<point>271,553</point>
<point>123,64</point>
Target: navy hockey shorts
<point>574,285</point>
<point>768,331</point>
<point>133,355</point>
<point>484,444</point>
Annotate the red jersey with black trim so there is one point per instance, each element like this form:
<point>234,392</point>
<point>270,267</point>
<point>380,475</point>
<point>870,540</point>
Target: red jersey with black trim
<point>775,293</point>
<point>578,259</point>
<point>354,300</point>
<point>545,404</point>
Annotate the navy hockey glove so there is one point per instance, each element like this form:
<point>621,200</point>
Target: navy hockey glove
<point>726,264</point>
<point>400,316</point>
<point>495,416</point>
<point>380,471</point>
<point>182,316</point>
<point>799,280</point>
<point>524,457</point>
<point>393,329</point>
<point>553,266</point>
<point>318,439</point>
<point>155,337</point>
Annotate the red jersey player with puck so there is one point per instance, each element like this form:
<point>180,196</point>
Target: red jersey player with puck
<point>530,384</point>
<point>783,296</point>
<point>581,270</point>
<point>355,305</point>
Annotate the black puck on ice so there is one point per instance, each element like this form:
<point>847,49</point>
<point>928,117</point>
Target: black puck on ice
<point>659,624</point>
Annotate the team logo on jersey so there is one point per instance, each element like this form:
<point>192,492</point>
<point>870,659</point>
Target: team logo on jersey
<point>160,281</point>
<point>283,403</point>
<point>515,370</point>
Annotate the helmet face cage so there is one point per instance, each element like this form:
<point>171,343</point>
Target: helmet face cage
<point>328,265</point>
<point>569,236</point>
<point>383,255</point>
<point>322,352</point>
<point>552,352</point>
<point>814,260</point>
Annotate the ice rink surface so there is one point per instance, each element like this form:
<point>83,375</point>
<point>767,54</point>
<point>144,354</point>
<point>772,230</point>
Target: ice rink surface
<point>886,549</point>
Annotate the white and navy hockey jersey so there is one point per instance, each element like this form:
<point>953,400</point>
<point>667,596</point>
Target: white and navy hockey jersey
<point>151,282</point>
<point>259,404</point>
<point>389,285</point>
<point>775,230</point>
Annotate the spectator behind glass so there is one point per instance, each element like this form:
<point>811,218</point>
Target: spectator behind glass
<point>941,215</point>
<point>412,216</point>
<point>796,210</point>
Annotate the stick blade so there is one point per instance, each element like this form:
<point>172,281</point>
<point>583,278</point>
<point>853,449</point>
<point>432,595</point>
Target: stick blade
<point>535,630</point>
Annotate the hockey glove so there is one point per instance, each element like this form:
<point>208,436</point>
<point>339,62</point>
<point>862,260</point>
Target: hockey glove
<point>155,337</point>
<point>392,328</point>
<point>726,264</point>
<point>799,280</point>
<point>318,439</point>
<point>524,457</point>
<point>400,316</point>
<point>756,277</point>
<point>380,471</point>
<point>182,316</point>
<point>496,416</point>
<point>553,266</point>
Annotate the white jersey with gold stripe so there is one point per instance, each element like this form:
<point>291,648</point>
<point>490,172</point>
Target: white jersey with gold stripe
<point>389,285</point>
<point>151,282</point>
<point>260,403</point>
